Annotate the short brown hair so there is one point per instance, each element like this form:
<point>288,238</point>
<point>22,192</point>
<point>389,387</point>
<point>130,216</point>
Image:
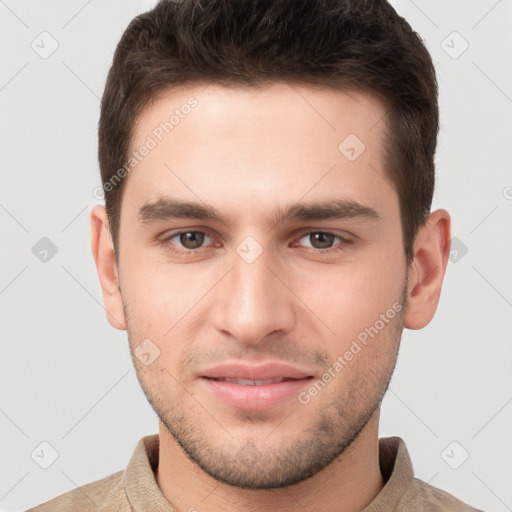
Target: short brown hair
<point>345,44</point>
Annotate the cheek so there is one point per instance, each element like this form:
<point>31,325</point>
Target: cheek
<point>162,302</point>
<point>353,297</point>
<point>159,294</point>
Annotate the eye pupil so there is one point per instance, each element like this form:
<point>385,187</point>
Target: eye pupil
<point>325,240</point>
<point>192,239</point>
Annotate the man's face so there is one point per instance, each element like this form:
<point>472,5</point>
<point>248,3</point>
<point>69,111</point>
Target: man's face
<point>247,289</point>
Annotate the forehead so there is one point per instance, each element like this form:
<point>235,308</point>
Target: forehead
<point>262,110</point>
<point>238,145</point>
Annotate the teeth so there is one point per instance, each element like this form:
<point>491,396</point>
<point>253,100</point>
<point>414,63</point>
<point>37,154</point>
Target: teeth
<point>248,382</point>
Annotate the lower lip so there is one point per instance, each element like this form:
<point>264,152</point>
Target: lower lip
<point>255,398</point>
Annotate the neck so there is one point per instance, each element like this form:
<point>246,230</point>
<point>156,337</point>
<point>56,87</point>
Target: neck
<point>351,481</point>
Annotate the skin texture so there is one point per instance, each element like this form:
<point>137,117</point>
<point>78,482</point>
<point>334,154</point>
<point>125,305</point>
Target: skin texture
<point>250,153</point>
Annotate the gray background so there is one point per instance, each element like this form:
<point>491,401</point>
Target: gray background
<point>66,375</point>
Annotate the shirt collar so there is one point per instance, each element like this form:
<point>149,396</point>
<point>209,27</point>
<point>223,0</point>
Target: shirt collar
<point>397,471</point>
<point>139,478</point>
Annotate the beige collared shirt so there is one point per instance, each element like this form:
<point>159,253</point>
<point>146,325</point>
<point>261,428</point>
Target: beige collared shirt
<point>136,489</point>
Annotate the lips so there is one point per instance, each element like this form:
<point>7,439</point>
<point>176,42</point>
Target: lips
<point>254,387</point>
<point>251,382</point>
<point>259,372</point>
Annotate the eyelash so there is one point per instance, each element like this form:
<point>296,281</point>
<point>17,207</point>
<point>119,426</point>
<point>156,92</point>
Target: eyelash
<point>166,242</point>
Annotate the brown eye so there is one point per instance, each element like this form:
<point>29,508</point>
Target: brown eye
<point>321,240</point>
<point>185,242</point>
<point>191,239</point>
<point>324,242</point>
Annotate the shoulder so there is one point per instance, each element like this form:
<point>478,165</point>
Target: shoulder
<point>105,495</point>
<point>114,492</point>
<point>423,496</point>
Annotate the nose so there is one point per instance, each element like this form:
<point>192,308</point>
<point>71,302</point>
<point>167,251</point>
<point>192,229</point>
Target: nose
<point>253,302</point>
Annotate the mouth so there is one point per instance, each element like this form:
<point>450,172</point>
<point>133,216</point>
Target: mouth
<point>254,388</point>
<point>251,382</point>
<point>273,371</point>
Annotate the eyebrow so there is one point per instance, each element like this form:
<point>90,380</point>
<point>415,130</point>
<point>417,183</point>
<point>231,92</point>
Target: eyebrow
<point>166,208</point>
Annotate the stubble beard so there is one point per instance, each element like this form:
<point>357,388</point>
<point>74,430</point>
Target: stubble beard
<point>275,462</point>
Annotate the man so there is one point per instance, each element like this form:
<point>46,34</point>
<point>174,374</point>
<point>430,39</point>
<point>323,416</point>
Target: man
<point>268,174</point>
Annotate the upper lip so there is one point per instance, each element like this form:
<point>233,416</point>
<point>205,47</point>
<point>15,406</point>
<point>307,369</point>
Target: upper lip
<point>264,371</point>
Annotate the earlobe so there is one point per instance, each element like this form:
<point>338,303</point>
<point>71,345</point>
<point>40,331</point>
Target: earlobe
<point>426,272</point>
<point>104,257</point>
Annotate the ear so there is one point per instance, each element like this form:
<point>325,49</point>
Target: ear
<point>426,272</point>
<point>104,256</point>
